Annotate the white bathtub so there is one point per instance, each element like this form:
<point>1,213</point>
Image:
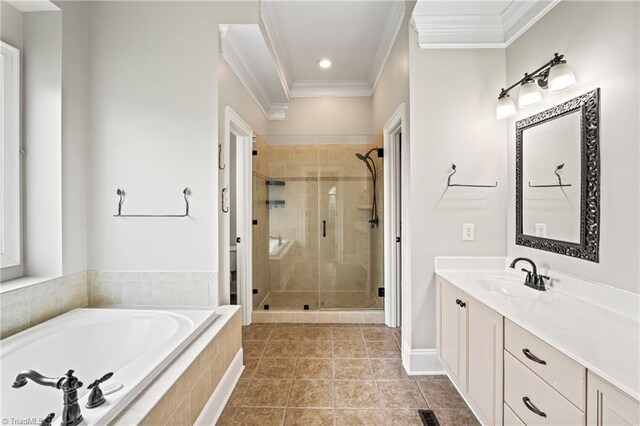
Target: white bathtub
<point>135,344</point>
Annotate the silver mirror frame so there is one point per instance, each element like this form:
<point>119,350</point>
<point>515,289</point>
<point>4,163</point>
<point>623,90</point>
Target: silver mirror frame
<point>588,105</point>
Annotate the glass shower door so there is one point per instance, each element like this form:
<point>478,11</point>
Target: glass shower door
<point>347,279</point>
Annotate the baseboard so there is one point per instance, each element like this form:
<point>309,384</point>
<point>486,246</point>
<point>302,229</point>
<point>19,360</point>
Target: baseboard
<point>421,362</point>
<point>214,406</point>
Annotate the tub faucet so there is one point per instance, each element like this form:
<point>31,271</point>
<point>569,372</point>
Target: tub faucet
<point>532,279</point>
<point>69,384</point>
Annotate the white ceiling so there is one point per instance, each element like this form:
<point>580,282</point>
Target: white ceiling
<point>355,35</point>
<point>473,24</point>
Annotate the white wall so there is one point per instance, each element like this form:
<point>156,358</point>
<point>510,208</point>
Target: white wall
<point>326,116</point>
<point>453,95</point>
<point>600,41</point>
<point>75,135</point>
<point>153,83</point>
<point>42,141</point>
<point>393,86</point>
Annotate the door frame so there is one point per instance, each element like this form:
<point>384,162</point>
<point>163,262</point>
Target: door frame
<point>392,265</point>
<point>233,123</point>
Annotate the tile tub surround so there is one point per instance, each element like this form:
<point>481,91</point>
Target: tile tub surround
<point>24,307</point>
<point>334,374</point>
<point>595,325</point>
<point>150,288</point>
<point>179,394</point>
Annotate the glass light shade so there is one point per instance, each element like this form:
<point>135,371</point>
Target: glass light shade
<point>529,94</point>
<point>561,77</point>
<point>505,108</point>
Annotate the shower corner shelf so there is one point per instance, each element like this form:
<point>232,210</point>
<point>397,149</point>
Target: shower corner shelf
<point>276,183</point>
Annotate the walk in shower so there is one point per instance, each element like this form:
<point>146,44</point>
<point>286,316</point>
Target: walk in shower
<point>318,222</point>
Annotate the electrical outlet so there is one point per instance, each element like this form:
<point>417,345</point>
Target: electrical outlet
<point>541,230</point>
<point>468,232</point>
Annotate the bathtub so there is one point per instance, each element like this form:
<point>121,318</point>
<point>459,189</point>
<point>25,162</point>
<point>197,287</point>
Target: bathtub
<point>134,344</point>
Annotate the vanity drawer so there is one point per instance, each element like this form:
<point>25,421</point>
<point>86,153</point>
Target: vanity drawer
<point>510,418</point>
<point>564,374</point>
<point>525,393</point>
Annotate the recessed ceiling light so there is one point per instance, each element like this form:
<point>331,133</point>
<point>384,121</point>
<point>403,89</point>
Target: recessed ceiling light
<point>324,63</point>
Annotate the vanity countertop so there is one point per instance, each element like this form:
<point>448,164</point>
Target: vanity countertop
<point>604,336</point>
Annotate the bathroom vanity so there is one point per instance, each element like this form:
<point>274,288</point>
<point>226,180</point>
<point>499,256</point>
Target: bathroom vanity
<point>566,356</point>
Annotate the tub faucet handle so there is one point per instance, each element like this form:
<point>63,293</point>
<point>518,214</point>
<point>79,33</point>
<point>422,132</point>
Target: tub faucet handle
<point>96,397</point>
<point>47,420</point>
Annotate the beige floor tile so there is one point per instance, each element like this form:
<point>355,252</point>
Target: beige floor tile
<point>314,368</point>
<point>250,365</point>
<point>403,418</point>
<point>377,334</point>
<point>308,417</point>
<point>275,368</point>
<point>238,393</point>
<point>281,349</point>
<point>388,369</point>
<point>455,417</point>
<point>267,393</point>
<point>359,418</point>
<point>227,416</point>
<point>311,394</point>
<point>401,394</point>
<point>316,334</point>
<point>441,394</point>
<point>256,333</point>
<point>259,416</point>
<point>253,348</point>
<point>352,369</point>
<point>353,349</point>
<point>356,394</point>
<point>310,349</point>
<point>383,350</point>
<point>288,333</point>
<point>349,334</point>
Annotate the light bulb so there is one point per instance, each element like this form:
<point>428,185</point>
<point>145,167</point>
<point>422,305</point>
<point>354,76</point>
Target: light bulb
<point>529,94</point>
<point>561,77</point>
<point>324,63</point>
<point>505,108</point>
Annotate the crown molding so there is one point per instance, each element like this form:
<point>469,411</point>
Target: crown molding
<point>389,34</point>
<point>276,46</point>
<point>330,88</point>
<point>233,55</point>
<point>479,31</point>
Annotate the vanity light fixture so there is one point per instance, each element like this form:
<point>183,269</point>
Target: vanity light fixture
<point>324,63</point>
<point>555,75</point>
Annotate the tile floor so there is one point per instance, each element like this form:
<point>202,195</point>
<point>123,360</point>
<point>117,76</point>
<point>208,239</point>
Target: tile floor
<point>334,374</point>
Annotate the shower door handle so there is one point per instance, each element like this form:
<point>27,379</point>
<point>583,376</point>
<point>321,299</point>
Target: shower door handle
<point>324,228</point>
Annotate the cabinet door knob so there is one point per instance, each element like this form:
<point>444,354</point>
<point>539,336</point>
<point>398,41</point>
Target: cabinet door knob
<point>462,304</point>
<point>530,406</point>
<point>532,357</point>
<point>458,302</point>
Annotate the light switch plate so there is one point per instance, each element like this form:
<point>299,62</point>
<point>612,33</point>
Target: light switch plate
<point>468,232</point>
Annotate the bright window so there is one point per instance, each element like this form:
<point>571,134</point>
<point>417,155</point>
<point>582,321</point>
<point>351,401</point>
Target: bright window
<point>10,186</point>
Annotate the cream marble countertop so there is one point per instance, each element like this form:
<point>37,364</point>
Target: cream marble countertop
<point>595,325</point>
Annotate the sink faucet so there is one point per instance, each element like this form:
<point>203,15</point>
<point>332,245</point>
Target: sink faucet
<point>69,384</point>
<point>532,280</point>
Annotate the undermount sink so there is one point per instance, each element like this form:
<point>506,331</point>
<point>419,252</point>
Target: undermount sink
<point>507,287</point>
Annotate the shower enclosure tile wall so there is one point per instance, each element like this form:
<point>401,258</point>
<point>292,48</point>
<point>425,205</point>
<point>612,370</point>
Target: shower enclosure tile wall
<point>321,249</point>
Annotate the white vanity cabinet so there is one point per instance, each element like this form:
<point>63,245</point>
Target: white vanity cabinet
<point>469,345</point>
<point>509,376</point>
<point>607,405</point>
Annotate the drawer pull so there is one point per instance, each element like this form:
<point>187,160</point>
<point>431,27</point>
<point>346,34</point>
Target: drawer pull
<point>532,357</point>
<point>530,406</point>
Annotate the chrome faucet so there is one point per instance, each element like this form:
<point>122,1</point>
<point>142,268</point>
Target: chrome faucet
<point>532,279</point>
<point>69,384</point>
